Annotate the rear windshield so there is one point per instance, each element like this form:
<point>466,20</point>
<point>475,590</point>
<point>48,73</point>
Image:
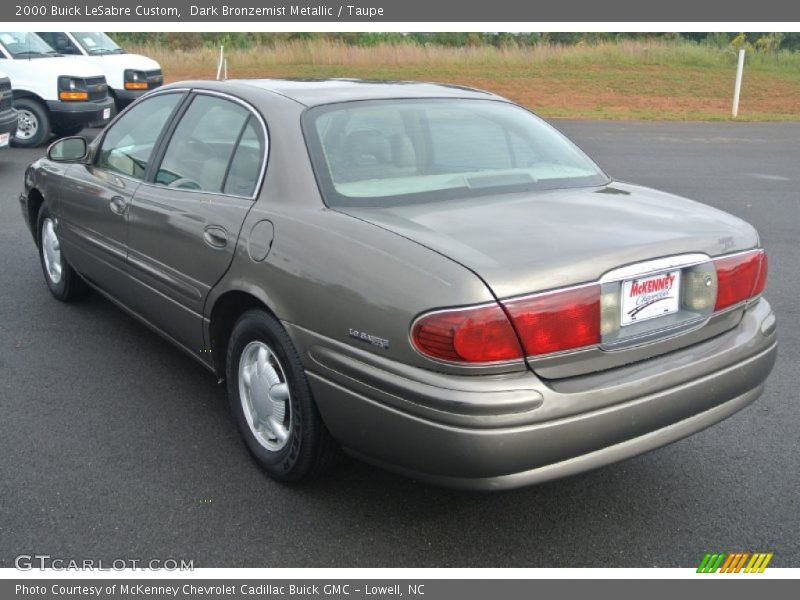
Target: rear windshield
<point>388,152</point>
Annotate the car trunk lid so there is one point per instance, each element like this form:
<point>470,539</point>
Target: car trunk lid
<point>521,244</point>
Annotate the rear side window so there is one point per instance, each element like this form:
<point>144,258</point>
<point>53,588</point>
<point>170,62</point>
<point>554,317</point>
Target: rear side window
<point>128,144</point>
<point>217,147</point>
<point>246,164</point>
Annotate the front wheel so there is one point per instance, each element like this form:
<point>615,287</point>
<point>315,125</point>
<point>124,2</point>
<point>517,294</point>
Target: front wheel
<point>272,402</point>
<point>62,280</point>
<point>33,124</point>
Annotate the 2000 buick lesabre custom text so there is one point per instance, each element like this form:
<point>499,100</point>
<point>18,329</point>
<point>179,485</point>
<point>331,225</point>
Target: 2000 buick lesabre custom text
<point>427,276</point>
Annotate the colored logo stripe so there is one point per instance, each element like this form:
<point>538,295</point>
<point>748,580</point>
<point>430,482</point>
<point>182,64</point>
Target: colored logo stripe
<point>758,563</point>
<point>735,562</point>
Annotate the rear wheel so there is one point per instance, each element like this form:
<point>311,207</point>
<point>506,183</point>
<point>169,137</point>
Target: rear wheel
<point>272,401</point>
<point>62,280</point>
<point>33,125</point>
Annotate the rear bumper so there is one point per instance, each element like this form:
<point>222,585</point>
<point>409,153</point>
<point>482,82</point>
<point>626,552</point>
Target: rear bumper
<point>515,430</point>
<point>69,114</point>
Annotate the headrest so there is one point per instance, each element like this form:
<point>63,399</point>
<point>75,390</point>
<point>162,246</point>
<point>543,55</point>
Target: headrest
<point>367,147</point>
<point>403,153</point>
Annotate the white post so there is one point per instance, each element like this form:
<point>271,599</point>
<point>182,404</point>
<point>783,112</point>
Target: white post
<point>219,63</point>
<point>225,70</point>
<point>738,87</point>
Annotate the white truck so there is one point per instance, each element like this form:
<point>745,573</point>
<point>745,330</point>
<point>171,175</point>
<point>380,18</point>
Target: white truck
<point>51,93</point>
<point>128,75</point>
<point>8,116</point>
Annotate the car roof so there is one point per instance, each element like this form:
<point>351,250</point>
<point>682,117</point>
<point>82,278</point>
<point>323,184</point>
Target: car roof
<point>312,92</point>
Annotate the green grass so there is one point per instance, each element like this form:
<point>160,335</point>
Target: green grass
<point>629,79</point>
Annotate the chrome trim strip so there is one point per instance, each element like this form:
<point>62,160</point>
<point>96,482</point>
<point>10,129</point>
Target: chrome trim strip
<point>653,267</point>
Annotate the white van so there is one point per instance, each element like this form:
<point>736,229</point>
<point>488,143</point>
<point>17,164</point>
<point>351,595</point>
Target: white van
<point>52,93</point>
<point>128,75</point>
<point>8,116</point>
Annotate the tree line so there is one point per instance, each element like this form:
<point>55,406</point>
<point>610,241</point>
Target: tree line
<point>752,41</point>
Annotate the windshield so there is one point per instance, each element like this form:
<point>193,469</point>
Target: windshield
<point>377,153</point>
<point>20,44</point>
<point>97,42</point>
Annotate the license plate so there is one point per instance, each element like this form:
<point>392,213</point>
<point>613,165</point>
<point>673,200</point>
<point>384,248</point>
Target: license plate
<point>106,113</point>
<point>4,139</point>
<point>650,297</point>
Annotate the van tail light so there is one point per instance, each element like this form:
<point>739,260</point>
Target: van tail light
<point>740,277</point>
<point>557,321</point>
<point>481,334</point>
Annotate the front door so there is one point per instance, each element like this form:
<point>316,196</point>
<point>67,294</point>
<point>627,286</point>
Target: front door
<point>184,224</point>
<point>95,198</point>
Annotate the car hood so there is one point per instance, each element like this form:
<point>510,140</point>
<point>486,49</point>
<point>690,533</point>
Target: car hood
<point>530,242</point>
<point>123,61</point>
<point>55,65</point>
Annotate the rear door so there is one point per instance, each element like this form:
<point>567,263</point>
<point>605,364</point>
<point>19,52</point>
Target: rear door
<point>95,198</point>
<point>185,220</point>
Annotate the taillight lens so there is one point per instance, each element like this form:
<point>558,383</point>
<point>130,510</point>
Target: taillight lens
<point>557,321</point>
<point>480,334</point>
<point>761,282</point>
<point>545,323</point>
<point>740,277</point>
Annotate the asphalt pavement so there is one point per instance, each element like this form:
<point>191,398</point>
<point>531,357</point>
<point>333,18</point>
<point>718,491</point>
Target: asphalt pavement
<point>114,445</point>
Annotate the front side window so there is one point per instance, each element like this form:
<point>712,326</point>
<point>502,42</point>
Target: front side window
<point>199,153</point>
<point>377,153</point>
<point>128,145</point>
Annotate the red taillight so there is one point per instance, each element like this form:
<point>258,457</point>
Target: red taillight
<point>549,322</point>
<point>761,282</point>
<point>481,334</point>
<point>557,321</point>
<point>740,277</point>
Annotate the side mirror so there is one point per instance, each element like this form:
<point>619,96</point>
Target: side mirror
<point>68,149</point>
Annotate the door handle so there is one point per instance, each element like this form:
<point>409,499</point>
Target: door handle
<point>118,205</point>
<point>215,236</point>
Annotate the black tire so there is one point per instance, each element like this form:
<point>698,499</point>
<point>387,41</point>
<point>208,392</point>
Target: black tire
<point>67,130</point>
<point>32,115</point>
<point>309,449</point>
<point>69,286</point>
